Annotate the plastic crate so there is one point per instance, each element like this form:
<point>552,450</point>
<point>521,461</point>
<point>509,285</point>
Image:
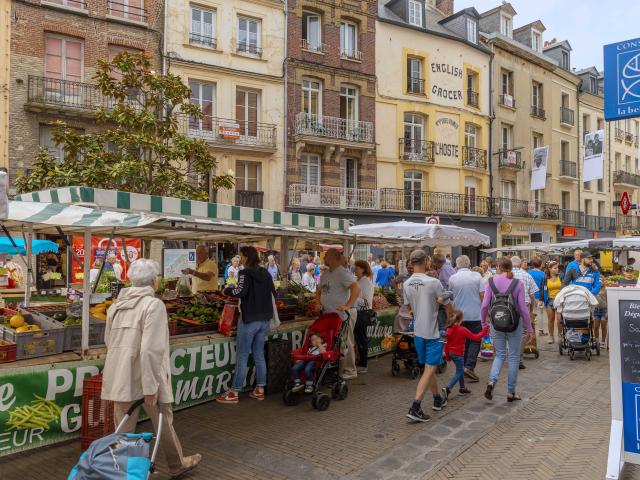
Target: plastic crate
<point>49,340</point>
<point>97,414</point>
<point>73,334</point>
<point>188,329</point>
<point>7,352</point>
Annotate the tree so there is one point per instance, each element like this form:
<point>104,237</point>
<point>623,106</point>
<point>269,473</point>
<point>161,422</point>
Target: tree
<point>141,149</point>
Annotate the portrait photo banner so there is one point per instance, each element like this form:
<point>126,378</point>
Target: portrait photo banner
<point>594,156</point>
<point>539,168</point>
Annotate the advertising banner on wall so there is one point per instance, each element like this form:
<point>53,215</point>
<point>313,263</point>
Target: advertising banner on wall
<point>539,168</point>
<point>100,250</point>
<point>622,81</point>
<point>176,260</point>
<point>594,155</point>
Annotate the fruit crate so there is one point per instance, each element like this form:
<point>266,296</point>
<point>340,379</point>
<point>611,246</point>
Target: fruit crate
<point>7,351</point>
<point>287,313</point>
<point>73,335</point>
<point>49,340</point>
<point>97,414</point>
<point>183,328</point>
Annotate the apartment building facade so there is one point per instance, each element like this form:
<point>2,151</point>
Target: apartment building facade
<point>55,48</point>
<point>434,117</point>
<point>331,84</point>
<point>5,55</point>
<point>231,54</point>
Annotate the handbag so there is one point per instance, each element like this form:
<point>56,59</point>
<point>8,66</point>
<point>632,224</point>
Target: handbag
<point>275,321</point>
<point>366,314</point>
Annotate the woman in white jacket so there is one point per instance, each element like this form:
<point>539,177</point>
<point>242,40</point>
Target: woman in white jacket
<point>137,364</point>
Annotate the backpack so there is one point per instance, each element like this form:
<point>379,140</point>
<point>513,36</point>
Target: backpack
<point>503,310</point>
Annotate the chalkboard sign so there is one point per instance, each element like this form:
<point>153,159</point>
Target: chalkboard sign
<point>629,311</point>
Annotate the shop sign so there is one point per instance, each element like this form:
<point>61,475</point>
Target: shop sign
<point>622,82</point>
<point>447,82</point>
<point>229,131</point>
<point>446,147</point>
<point>506,228</point>
<point>568,232</point>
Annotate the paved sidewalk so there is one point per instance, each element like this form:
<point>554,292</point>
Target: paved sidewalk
<point>560,430</point>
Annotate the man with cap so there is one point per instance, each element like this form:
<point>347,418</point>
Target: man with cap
<point>586,276</point>
<point>424,294</point>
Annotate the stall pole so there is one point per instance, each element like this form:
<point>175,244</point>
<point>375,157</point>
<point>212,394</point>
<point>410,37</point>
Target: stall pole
<point>28,280</point>
<point>86,292</point>
<point>284,261</point>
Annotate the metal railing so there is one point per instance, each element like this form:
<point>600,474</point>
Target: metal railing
<point>507,101</point>
<point>538,112</point>
<point>412,150</point>
<point>572,218</point>
<point>126,10</point>
<point>313,46</point>
<point>79,4</point>
<point>333,127</point>
<point>249,198</point>
<point>320,196</point>
<point>415,85</point>
<point>351,54</point>
<point>511,159</point>
<point>203,40</point>
<point>566,116</point>
<point>627,178</point>
<point>474,158</point>
<point>228,131</point>
<point>434,202</point>
<point>510,207</point>
<point>628,137</point>
<point>619,134</point>
<point>568,169</point>
<point>600,224</point>
<point>65,93</point>
<point>472,98</point>
<point>249,48</point>
<point>628,222</point>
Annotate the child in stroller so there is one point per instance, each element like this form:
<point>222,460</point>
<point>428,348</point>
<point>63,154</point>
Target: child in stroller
<point>575,304</point>
<point>326,371</point>
<point>316,348</point>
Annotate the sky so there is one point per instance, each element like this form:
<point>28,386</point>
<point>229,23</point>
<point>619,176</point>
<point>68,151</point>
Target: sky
<point>587,24</point>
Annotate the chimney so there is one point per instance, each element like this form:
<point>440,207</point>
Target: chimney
<point>445,6</point>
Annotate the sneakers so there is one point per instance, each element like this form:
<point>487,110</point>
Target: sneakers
<point>445,393</point>
<point>464,391</point>
<point>362,370</point>
<point>349,376</point>
<point>188,464</point>
<point>521,366</point>
<point>417,415</point>
<point>229,398</point>
<point>257,394</point>
<point>439,403</point>
<point>308,389</point>
<point>471,375</point>
<point>297,387</point>
<point>552,340</point>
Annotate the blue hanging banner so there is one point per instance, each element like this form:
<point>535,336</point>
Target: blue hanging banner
<point>622,80</point>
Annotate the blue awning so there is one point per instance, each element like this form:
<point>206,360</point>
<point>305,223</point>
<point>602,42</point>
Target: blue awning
<point>37,246</point>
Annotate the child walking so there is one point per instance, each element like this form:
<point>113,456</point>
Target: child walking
<point>454,350</point>
<point>317,346</point>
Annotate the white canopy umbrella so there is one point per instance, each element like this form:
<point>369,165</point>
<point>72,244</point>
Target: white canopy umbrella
<point>426,234</point>
<point>623,243</point>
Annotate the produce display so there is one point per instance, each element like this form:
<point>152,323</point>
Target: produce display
<point>99,311</point>
<point>197,312</point>
<point>40,414</point>
<point>18,324</point>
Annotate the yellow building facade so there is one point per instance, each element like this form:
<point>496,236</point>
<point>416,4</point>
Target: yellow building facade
<point>5,54</point>
<point>231,54</point>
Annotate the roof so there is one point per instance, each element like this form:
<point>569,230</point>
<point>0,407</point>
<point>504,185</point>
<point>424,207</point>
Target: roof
<point>523,49</point>
<point>536,25</point>
<point>471,11</point>
<point>564,44</point>
<point>506,7</point>
<point>584,71</point>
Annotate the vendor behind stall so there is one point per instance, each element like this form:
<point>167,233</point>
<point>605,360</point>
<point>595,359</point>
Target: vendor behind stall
<point>205,275</point>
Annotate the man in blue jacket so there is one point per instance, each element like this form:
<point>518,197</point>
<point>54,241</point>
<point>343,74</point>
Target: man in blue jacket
<point>575,263</point>
<point>586,276</point>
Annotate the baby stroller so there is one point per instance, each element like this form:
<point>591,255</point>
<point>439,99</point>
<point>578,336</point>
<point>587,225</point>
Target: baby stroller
<point>327,372</point>
<point>575,305</point>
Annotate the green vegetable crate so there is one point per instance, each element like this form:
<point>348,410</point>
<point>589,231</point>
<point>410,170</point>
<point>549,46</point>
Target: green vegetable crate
<point>48,340</point>
<point>73,333</point>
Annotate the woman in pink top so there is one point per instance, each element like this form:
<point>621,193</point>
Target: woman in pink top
<point>506,341</point>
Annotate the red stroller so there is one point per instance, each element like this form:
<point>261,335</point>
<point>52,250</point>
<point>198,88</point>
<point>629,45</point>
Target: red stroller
<point>327,372</point>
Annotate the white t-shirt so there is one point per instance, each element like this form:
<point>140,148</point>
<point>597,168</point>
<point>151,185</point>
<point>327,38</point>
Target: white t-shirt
<point>334,288</point>
<point>366,293</point>
<point>421,292</point>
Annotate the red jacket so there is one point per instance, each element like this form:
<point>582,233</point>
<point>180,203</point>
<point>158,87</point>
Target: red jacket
<point>456,337</point>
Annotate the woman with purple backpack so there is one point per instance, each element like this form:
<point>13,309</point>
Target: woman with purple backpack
<point>505,311</point>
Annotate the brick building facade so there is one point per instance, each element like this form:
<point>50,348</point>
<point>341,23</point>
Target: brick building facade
<point>55,48</point>
<point>331,104</point>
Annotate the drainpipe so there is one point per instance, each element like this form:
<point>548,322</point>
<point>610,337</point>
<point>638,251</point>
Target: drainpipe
<point>285,134</point>
<point>491,118</point>
<point>580,182</point>
<point>163,53</point>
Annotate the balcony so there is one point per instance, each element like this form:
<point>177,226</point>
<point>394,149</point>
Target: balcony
<point>571,218</point>
<point>316,196</point>
<point>507,101</point>
<point>625,178</point>
<point>248,48</point>
<point>228,133</point>
<point>538,112</point>
<point>351,55</point>
<point>628,222</point>
<point>415,85</point>
<point>566,116</point>
<point>202,40</point>
<point>313,46</point>
<point>628,137</point>
<point>511,160</point>
<point>421,151</point>
<point>352,131</point>
<point>127,11</point>
<point>44,93</point>
<point>472,98</point>
<point>599,224</point>
<point>619,134</point>
<point>568,169</point>
<point>474,158</point>
<point>434,202</point>
<point>249,198</point>
<point>508,207</point>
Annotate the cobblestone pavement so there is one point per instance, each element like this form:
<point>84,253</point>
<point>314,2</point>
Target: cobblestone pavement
<point>560,430</point>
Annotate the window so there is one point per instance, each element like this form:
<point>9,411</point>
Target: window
<point>564,150</point>
<point>311,31</point>
<point>507,82</point>
<point>415,82</point>
<point>46,141</point>
<point>310,169</point>
<point>413,184</point>
<point>247,111</point>
<point>600,124</point>
<point>202,94</point>
<point>586,124</point>
<point>349,173</point>
<point>538,196</point>
<point>627,163</point>
<point>601,209</point>
<point>593,85</point>
<point>414,133</point>
<point>69,3</point>
<point>203,27</point>
<point>130,9</point>
<point>311,98</point>
<point>472,30</point>
<point>537,140</point>
<point>506,25</point>
<point>249,36</point>
<point>587,206</point>
<point>470,188</point>
<point>470,135</point>
<point>564,100</point>
<point>536,94</point>
<point>63,58</point>
<point>415,13</point>
<point>618,161</point>
<point>566,200</point>
<point>508,190</point>
<point>536,40</point>
<point>587,185</point>
<point>249,176</point>
<point>349,40</point>
<point>349,104</point>
<point>565,60</point>
<point>507,135</point>
<point>600,185</point>
<point>472,88</point>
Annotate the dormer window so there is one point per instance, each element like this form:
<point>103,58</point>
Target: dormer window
<point>472,30</point>
<point>415,13</point>
<point>593,84</point>
<point>565,60</point>
<point>506,26</point>
<point>536,40</point>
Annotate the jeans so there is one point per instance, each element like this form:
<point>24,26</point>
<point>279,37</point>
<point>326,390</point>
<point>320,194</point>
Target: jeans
<point>250,339</point>
<point>503,341</point>
<point>471,349</point>
<point>308,366</point>
<point>458,361</point>
<point>362,341</point>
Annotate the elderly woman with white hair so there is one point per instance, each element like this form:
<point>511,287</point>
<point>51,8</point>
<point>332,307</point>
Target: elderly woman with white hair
<point>137,364</point>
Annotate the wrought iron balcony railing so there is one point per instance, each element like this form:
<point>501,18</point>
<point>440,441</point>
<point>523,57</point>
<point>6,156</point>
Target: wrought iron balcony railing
<point>509,207</point>
<point>412,150</point>
<point>313,46</point>
<point>249,198</point>
<point>472,98</point>
<point>434,202</point>
<point>79,4</point>
<point>474,158</point>
<point>628,222</point>
<point>351,54</point>
<point>224,131</point>
<point>511,159</point>
<point>321,196</point>
<point>619,134</point>
<point>538,112</point>
<point>333,127</point>
<point>568,169</point>
<point>202,40</point>
<point>599,224</point>
<point>125,10</point>
<point>249,48</point>
<point>626,178</point>
<point>415,85</point>
<point>65,94</point>
<point>572,218</point>
<point>566,116</point>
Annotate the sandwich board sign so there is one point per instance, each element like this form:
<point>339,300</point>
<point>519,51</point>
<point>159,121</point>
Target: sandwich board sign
<point>622,81</point>
<point>624,371</point>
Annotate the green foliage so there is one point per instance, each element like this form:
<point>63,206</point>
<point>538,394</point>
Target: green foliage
<point>141,148</point>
